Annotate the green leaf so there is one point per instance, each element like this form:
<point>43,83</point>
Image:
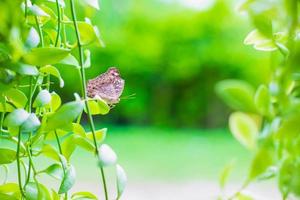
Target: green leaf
<point>31,191</point>
<point>70,60</point>
<point>54,170</point>
<point>121,180</point>
<point>45,56</point>
<point>98,106</point>
<point>55,101</point>
<point>87,32</point>
<point>289,126</point>
<point>261,162</point>
<point>8,197</point>
<point>83,196</point>
<point>92,3</point>
<point>100,135</point>
<point>49,69</point>
<point>25,69</point>
<point>16,118</point>
<point>107,157</point>
<point>241,196</point>
<point>69,145</point>
<point>10,188</point>
<point>50,152</point>
<point>262,100</point>
<point>68,181</point>
<point>78,129</point>
<point>289,177</point>
<point>55,196</point>
<point>32,123</point>
<point>17,97</point>
<point>7,156</point>
<point>263,23</point>
<point>65,115</point>
<point>239,95</point>
<point>36,191</point>
<point>87,62</point>
<point>33,38</point>
<point>60,2</point>
<point>6,107</point>
<point>37,11</point>
<point>244,128</point>
<point>225,174</point>
<point>259,41</point>
<point>43,98</point>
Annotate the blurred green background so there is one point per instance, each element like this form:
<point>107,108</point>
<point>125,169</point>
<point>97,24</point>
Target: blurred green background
<point>171,53</point>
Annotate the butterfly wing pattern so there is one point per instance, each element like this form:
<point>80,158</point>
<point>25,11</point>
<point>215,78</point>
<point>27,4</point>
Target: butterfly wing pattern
<point>109,86</point>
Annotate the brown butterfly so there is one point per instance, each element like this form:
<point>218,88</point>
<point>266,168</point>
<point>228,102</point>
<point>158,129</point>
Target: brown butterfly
<point>108,86</point>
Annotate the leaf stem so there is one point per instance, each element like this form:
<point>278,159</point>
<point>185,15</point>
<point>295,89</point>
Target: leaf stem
<point>39,27</point>
<point>84,93</point>
<point>58,23</point>
<point>18,164</point>
<point>61,153</point>
<point>2,115</point>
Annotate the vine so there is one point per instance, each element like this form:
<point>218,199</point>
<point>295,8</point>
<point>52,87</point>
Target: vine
<point>33,45</point>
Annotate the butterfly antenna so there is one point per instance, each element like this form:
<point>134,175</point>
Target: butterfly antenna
<point>128,97</point>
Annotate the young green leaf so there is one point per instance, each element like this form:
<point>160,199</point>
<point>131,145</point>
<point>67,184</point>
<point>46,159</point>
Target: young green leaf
<point>55,101</point>
<point>7,156</point>
<point>68,180</point>
<point>66,114</point>
<point>121,180</point>
<point>107,156</point>
<point>261,162</point>
<point>16,118</point>
<point>262,100</point>
<point>32,123</point>
<point>98,106</point>
<point>70,60</point>
<point>244,128</point>
<point>84,195</point>
<point>100,135</point>
<point>43,98</point>
<point>37,11</point>
<point>33,38</point>
<point>25,69</point>
<point>49,69</point>
<point>45,56</point>
<point>16,97</point>
<point>225,174</point>
<point>237,94</point>
<point>92,3</point>
<point>54,170</point>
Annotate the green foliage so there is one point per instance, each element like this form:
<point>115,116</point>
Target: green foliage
<point>36,37</point>
<point>274,140</point>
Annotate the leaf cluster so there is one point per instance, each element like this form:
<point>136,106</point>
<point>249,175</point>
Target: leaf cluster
<point>36,36</point>
<point>266,118</point>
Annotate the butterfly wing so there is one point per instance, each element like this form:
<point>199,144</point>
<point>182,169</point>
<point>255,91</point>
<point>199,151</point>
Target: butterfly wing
<point>109,86</point>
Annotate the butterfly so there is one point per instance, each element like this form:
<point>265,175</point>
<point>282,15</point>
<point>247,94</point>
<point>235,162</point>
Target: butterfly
<point>108,86</point>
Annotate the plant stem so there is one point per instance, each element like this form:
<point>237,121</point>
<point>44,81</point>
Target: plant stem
<point>64,29</point>
<point>18,164</point>
<point>58,23</point>
<point>61,162</point>
<point>58,142</point>
<point>39,27</point>
<point>2,115</point>
<point>26,9</point>
<point>84,93</point>
<point>104,183</point>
